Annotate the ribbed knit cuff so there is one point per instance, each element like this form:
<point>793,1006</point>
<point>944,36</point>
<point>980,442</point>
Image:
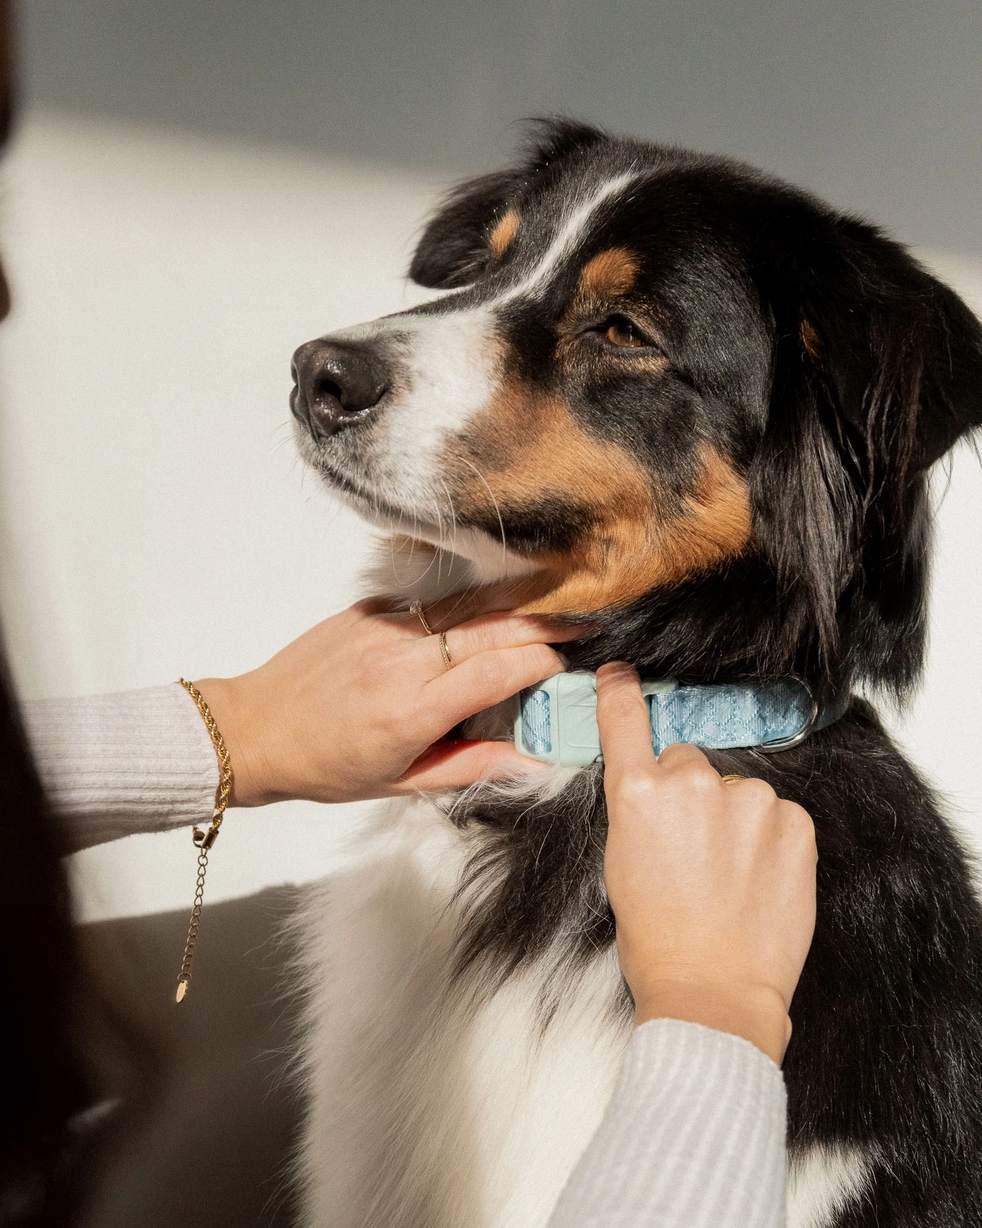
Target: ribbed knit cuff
<point>115,765</point>
<point>694,1137</point>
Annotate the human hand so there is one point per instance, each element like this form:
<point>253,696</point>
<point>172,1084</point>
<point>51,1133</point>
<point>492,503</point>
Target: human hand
<point>712,882</point>
<point>356,707</point>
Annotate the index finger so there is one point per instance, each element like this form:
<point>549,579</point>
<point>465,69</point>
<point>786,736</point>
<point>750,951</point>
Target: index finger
<point>493,631</point>
<point>457,608</point>
<point>504,596</point>
<point>623,720</point>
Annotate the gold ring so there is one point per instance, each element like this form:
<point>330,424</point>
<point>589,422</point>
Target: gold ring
<point>447,658</point>
<point>417,609</point>
<point>726,779</point>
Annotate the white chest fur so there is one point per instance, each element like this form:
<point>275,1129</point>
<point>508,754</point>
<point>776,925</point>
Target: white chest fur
<point>428,1112</point>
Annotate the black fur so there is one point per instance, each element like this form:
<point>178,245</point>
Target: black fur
<point>886,1052</point>
<point>551,523</point>
<point>870,369</point>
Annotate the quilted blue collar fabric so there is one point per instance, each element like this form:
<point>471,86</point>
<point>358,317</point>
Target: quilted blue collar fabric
<point>724,717</point>
<point>556,720</point>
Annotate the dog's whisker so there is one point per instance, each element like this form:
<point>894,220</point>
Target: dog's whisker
<point>497,511</point>
<point>390,539</point>
<point>453,516</point>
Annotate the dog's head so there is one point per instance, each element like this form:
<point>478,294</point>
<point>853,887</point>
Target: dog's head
<point>669,389</point>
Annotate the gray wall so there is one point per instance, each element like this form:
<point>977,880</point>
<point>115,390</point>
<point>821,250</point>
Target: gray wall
<point>876,105</point>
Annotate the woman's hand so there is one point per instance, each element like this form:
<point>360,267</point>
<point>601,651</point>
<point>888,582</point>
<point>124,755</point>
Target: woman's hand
<point>712,882</point>
<point>356,707</point>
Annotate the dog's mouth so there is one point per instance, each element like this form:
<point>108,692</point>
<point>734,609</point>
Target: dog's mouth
<point>345,459</point>
<point>367,503</point>
<point>493,558</point>
<point>379,511</point>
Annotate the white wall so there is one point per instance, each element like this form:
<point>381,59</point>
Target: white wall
<point>153,519</point>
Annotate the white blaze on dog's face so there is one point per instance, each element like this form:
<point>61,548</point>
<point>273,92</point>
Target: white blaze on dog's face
<point>574,410</point>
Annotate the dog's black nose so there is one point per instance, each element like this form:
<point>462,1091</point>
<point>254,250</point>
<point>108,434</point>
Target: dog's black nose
<point>337,385</point>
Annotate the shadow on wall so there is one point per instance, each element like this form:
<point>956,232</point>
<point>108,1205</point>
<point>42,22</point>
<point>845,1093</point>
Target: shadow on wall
<point>875,106</point>
<point>212,1148</point>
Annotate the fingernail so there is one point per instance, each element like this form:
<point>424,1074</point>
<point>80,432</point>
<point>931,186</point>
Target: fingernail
<point>562,656</point>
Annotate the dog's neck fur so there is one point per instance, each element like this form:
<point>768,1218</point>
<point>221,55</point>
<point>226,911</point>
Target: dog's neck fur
<point>736,623</point>
<point>533,887</point>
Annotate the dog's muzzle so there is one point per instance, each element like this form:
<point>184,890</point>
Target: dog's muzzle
<point>336,385</point>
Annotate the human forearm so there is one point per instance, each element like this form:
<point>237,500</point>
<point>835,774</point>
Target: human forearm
<point>114,765</point>
<point>694,1137</point>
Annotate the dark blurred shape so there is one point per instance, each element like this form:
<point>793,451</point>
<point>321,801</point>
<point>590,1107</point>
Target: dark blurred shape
<point>47,1076</point>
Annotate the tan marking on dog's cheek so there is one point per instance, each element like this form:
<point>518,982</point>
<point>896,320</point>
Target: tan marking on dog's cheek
<point>529,446</point>
<point>636,555</point>
<point>504,232</point>
<point>608,275</point>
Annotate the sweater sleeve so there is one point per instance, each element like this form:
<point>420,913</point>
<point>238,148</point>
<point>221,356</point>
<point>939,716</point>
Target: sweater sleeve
<point>694,1137</point>
<point>115,765</point>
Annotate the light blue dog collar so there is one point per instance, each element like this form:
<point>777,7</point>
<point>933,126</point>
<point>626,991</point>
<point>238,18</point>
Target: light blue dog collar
<point>556,721</point>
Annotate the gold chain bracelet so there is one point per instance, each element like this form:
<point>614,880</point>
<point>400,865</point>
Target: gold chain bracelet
<point>203,840</point>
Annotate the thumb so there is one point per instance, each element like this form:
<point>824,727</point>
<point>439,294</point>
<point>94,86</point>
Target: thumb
<point>454,765</point>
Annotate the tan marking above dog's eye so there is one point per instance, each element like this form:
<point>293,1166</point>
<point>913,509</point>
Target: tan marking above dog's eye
<point>622,333</point>
<point>609,274</point>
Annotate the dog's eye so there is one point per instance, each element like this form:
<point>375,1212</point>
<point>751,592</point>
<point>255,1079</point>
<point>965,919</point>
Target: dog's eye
<point>622,332</point>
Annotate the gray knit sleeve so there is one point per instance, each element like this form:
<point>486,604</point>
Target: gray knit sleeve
<point>694,1137</point>
<point>114,765</point>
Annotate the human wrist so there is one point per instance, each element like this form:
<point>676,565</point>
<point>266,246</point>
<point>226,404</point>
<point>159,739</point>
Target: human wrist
<point>754,1012</point>
<point>238,717</point>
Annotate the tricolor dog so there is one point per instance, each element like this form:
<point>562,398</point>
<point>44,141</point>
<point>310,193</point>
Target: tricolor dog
<point>694,408</point>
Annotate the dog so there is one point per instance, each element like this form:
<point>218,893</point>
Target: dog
<point>695,408</point>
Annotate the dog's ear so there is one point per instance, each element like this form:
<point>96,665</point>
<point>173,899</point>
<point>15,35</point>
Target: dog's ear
<point>877,372</point>
<point>899,353</point>
<point>454,247</point>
